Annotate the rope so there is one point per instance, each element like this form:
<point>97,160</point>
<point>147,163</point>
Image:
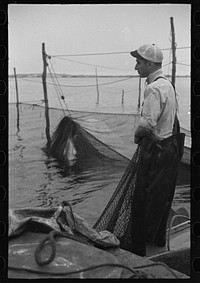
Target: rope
<point>183,64</point>
<point>135,271</point>
<point>64,85</point>
<point>94,65</point>
<point>109,53</point>
<point>67,203</point>
<point>112,82</point>
<point>56,87</point>
<point>39,248</point>
<point>57,84</point>
<point>57,90</point>
<point>136,274</point>
<point>50,239</point>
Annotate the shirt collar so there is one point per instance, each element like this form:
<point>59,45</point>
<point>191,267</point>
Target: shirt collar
<point>153,76</point>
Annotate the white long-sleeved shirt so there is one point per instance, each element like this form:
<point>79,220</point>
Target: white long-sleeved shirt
<point>160,105</point>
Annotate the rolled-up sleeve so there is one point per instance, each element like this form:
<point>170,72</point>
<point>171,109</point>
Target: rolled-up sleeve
<point>151,108</point>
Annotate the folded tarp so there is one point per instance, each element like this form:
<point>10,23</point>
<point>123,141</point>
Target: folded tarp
<point>61,219</point>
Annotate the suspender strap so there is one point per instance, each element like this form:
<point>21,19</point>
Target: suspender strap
<point>180,137</point>
<point>176,126</point>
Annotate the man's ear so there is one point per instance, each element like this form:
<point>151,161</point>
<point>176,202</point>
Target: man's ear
<point>150,64</point>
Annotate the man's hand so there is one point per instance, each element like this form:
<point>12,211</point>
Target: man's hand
<point>141,132</point>
<point>137,139</point>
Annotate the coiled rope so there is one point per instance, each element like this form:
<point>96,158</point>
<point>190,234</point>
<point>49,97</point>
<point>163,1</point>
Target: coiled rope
<point>50,239</point>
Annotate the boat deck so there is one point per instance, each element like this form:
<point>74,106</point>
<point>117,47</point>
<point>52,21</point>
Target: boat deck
<point>73,255</point>
<point>177,258</point>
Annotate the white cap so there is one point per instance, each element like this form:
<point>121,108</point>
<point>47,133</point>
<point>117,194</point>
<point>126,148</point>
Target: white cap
<point>149,52</point>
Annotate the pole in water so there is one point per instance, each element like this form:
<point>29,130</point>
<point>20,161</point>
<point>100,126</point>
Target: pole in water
<point>97,86</point>
<point>122,97</point>
<point>139,96</point>
<point>173,52</point>
<point>17,96</point>
<point>45,96</point>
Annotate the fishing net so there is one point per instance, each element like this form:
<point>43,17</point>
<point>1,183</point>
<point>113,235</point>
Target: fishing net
<point>70,141</point>
<point>103,137</point>
<point>138,210</point>
<point>117,215</point>
<point>107,135</point>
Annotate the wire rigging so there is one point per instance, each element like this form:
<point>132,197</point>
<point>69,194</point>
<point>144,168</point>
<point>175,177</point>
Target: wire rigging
<point>106,67</point>
<point>94,65</point>
<point>58,86</point>
<point>108,53</point>
<point>59,89</point>
<point>93,85</point>
<point>56,89</point>
<point>183,64</point>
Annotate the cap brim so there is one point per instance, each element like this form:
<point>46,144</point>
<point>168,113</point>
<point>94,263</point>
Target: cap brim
<point>134,53</point>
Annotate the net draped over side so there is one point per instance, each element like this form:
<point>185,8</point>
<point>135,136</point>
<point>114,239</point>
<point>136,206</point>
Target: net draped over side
<point>117,215</point>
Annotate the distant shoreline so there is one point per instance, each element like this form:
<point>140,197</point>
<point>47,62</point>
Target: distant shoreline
<point>80,76</point>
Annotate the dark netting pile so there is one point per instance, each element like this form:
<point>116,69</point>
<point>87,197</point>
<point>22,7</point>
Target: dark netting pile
<point>117,215</point>
<point>109,134</point>
<point>70,136</point>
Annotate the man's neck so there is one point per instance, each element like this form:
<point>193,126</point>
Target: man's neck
<point>151,77</point>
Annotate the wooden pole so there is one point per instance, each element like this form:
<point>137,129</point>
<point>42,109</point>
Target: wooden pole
<point>139,96</point>
<point>97,86</point>
<point>17,96</point>
<point>173,52</point>
<point>45,96</point>
<point>122,97</point>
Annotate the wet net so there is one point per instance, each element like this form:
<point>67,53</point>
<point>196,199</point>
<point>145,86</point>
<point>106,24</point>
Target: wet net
<point>94,135</point>
<point>70,141</point>
<point>117,215</point>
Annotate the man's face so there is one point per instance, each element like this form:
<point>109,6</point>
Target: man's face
<point>142,66</point>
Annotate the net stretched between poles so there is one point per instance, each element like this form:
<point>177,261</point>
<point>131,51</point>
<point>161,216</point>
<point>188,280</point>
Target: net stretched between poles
<point>117,215</point>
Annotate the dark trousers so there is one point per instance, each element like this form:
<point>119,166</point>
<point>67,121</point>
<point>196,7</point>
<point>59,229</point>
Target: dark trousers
<point>154,191</point>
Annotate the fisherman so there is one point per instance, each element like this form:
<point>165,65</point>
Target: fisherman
<point>158,168</point>
<point>138,210</point>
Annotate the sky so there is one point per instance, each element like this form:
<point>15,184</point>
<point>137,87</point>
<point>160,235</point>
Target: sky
<point>81,29</point>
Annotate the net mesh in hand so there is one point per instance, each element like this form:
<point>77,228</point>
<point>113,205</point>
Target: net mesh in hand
<point>117,215</point>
